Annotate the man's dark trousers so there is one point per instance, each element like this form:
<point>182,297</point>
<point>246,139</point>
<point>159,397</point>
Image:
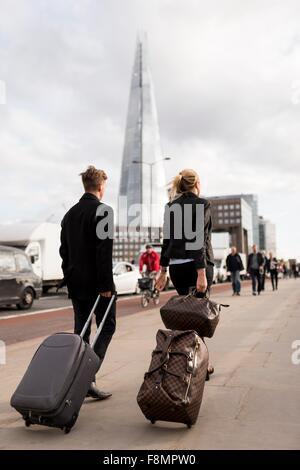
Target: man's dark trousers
<point>82,309</point>
<point>256,278</point>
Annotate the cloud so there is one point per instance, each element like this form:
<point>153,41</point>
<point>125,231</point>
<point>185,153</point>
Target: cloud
<point>224,75</point>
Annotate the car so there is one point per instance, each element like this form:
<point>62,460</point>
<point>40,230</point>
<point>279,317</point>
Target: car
<point>19,285</point>
<point>126,277</point>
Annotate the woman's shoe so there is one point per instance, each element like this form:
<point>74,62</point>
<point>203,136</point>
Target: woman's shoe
<point>210,370</point>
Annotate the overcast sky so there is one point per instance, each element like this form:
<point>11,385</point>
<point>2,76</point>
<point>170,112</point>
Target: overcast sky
<point>227,84</point>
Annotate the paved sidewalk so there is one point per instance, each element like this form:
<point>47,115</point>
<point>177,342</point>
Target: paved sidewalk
<point>251,402</point>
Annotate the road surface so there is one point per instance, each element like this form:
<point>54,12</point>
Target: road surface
<point>54,313</point>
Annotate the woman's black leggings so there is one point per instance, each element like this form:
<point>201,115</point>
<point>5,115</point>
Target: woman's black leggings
<point>184,276</point>
<point>274,278</point>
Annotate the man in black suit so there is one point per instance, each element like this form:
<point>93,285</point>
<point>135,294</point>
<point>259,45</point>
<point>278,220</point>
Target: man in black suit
<point>87,262</point>
<point>255,268</point>
<point>234,265</point>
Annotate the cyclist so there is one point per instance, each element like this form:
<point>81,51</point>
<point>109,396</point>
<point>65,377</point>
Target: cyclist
<point>149,262</point>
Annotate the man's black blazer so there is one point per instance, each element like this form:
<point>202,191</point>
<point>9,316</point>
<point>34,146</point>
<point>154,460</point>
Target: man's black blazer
<point>86,260</point>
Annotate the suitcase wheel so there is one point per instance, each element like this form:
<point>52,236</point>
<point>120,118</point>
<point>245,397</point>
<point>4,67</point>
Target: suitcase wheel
<point>68,428</point>
<point>152,421</point>
<point>27,423</point>
<point>189,425</point>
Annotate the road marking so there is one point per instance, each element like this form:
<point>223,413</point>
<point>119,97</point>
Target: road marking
<point>49,310</point>
<point>50,297</point>
<point>18,315</point>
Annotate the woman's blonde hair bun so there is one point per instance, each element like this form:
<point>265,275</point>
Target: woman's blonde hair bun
<point>184,182</point>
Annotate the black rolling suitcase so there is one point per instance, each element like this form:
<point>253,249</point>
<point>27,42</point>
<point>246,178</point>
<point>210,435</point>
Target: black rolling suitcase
<point>58,378</point>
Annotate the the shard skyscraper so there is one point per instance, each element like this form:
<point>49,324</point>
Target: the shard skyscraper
<point>142,176</point>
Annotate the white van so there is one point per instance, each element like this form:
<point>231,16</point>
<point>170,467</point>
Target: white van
<point>41,242</point>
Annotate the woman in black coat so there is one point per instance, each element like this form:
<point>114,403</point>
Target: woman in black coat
<point>272,267</point>
<point>190,263</point>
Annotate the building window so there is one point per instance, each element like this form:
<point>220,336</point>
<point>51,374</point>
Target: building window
<point>238,221</point>
<point>220,221</point>
<point>226,214</point>
<point>226,221</point>
<point>231,214</point>
<point>231,206</point>
<point>225,206</point>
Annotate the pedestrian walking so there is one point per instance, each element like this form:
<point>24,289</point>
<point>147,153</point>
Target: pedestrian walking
<point>234,265</point>
<point>264,270</point>
<point>255,267</point>
<point>294,270</point>
<point>272,266</point>
<point>285,271</point>
<point>188,268</point>
<point>87,265</point>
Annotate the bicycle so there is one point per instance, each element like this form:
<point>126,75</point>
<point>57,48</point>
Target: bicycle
<point>147,291</point>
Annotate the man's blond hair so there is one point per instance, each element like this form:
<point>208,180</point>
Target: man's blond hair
<point>92,178</point>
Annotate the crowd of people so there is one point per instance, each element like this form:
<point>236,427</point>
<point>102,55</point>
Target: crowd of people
<point>259,267</point>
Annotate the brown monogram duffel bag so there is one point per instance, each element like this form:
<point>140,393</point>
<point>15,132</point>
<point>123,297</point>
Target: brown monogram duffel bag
<point>173,386</point>
<point>188,312</point>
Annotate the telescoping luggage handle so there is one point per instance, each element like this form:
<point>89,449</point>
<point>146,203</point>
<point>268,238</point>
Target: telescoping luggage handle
<point>99,329</point>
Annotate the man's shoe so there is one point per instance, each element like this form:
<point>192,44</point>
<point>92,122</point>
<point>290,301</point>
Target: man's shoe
<point>233,293</point>
<point>94,392</point>
<point>238,293</point>
<point>253,293</point>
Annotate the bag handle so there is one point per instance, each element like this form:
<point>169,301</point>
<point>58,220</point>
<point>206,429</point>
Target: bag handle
<point>165,352</point>
<point>193,292</point>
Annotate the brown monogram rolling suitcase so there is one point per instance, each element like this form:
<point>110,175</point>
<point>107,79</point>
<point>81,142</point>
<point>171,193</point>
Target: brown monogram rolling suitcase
<point>173,386</point>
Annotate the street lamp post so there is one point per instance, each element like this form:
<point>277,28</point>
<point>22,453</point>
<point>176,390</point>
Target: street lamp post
<point>151,164</point>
